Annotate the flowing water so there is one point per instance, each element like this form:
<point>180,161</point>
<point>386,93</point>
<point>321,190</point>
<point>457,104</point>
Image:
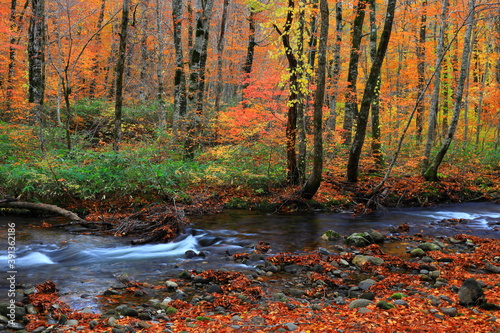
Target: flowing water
<point>83,266</point>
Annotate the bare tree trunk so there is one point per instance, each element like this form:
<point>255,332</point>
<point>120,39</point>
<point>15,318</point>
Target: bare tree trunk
<point>36,59</point>
<point>335,71</point>
<point>197,67</point>
<point>180,99</point>
<point>301,97</point>
<point>247,67</point>
<point>431,173</point>
<point>314,181</point>
<point>419,118</point>
<point>160,59</point>
<point>220,50</point>
<point>369,94</point>
<point>96,59</point>
<point>351,104</point>
<point>431,129</point>
<point>120,69</point>
<point>480,103</point>
<point>376,143</point>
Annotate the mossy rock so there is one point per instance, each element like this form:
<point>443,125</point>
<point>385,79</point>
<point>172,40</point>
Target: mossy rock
<point>330,235</point>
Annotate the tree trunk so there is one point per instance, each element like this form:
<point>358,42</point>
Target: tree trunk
<point>314,181</point>
<point>197,67</point>
<point>431,174</point>
<point>335,71</point>
<point>291,125</point>
<point>351,104</point>
<point>180,100</point>
<point>96,59</point>
<point>220,50</point>
<point>431,129</point>
<point>247,67</point>
<point>160,59</point>
<point>419,118</point>
<point>369,94</point>
<point>36,59</point>
<point>376,133</point>
<point>120,69</point>
<point>301,97</point>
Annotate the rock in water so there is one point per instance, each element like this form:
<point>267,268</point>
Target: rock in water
<point>470,293</point>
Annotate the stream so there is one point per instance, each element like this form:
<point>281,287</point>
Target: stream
<point>83,266</point>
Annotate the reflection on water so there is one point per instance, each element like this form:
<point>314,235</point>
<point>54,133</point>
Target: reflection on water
<point>87,265</point>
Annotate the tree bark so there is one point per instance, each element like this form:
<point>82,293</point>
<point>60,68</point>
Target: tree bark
<point>369,94</point>
<point>431,128</point>
<point>376,143</point>
<point>220,51</point>
<point>180,99</point>
<point>351,104</point>
<point>247,67</point>
<point>293,175</point>
<point>197,68</point>
<point>419,117</point>
<point>36,60</point>
<point>335,71</point>
<point>41,206</point>
<point>431,174</point>
<point>120,69</point>
<point>314,181</point>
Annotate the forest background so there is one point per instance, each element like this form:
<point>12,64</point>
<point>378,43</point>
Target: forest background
<point>125,103</point>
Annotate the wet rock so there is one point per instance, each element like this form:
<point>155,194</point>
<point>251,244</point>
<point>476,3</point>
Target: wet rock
<point>330,235</point>
<point>359,260</point>
<point>359,239</point>
<point>429,247</point>
<point>15,326</point>
<point>295,292</point>
<point>452,312</point>
<point>127,311</point>
<point>71,322</point>
<point>7,308</point>
<point>144,325</point>
<point>291,326</point>
<point>93,323</point>
<point>190,254</point>
<point>359,303</point>
<point>418,252</point>
<point>367,295</point>
<point>171,284</point>
<point>470,293</point>
<point>490,307</point>
<point>376,236</point>
<point>111,321</point>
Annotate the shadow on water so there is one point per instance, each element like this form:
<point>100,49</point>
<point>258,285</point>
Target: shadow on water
<point>83,266</point>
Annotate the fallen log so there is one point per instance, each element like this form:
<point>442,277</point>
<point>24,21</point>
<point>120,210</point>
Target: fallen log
<point>13,203</point>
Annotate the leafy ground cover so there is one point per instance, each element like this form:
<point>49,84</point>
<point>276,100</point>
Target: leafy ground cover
<point>402,285</point>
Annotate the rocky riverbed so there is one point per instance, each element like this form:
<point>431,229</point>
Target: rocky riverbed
<point>370,283</point>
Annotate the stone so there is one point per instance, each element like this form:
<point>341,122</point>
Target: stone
<point>452,312</point>
<point>492,268</point>
<point>359,260</point>
<point>400,302</point>
<point>470,293</point>
<point>385,305</point>
<point>71,322</point>
<point>330,235</point>
<point>214,289</point>
<point>377,237</point>
<point>359,303</point>
<point>429,247</point>
<point>93,323</point>
<point>291,326</point>
<point>365,284</point>
<point>128,311</point>
<point>359,239</point>
<point>171,284</point>
<point>19,311</point>
<point>418,252</point>
<point>15,326</point>
<point>295,292</point>
<point>111,321</point>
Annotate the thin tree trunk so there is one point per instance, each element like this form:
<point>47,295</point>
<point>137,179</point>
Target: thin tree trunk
<point>369,94</point>
<point>96,59</point>
<point>351,104</point>
<point>293,175</point>
<point>335,72</point>
<point>480,104</point>
<point>36,59</point>
<point>419,117</point>
<point>431,129</point>
<point>220,51</point>
<point>120,69</point>
<point>376,132</point>
<point>160,59</point>
<point>180,99</point>
<point>301,97</point>
<point>247,67</point>
<point>197,67</point>
<point>314,181</point>
<point>431,174</point>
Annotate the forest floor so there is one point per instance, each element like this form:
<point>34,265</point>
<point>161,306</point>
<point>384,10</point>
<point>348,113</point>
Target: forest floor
<point>401,284</point>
